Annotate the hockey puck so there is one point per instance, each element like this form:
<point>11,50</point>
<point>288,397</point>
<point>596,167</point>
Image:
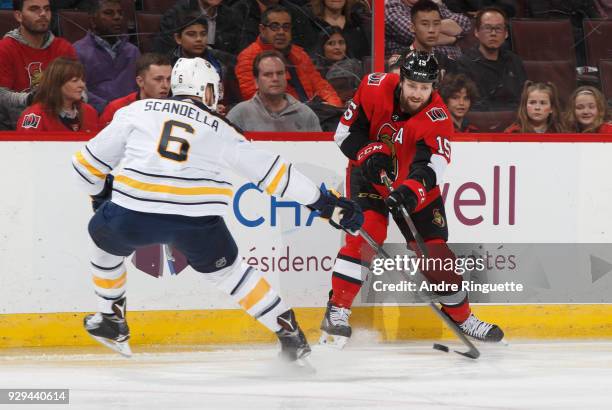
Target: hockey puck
<point>440,347</point>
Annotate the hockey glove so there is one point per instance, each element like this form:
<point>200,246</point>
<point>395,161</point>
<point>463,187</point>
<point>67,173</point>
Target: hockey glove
<point>330,202</point>
<point>374,158</point>
<point>410,195</point>
<point>104,195</point>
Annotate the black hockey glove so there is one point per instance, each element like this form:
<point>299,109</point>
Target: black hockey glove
<point>374,158</point>
<point>98,199</point>
<point>402,196</point>
<point>330,202</point>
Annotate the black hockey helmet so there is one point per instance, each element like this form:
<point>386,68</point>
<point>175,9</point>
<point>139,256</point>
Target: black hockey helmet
<point>420,66</point>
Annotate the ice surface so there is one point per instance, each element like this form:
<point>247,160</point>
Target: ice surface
<point>524,375</point>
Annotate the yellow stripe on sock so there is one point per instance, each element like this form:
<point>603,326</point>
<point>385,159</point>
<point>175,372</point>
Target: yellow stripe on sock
<point>144,186</point>
<point>110,283</point>
<point>255,295</point>
<point>277,178</point>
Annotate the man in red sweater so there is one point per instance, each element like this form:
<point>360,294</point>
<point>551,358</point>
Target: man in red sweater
<point>303,79</point>
<point>24,53</point>
<point>153,73</point>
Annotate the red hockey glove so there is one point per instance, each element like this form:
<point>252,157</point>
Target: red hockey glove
<point>374,158</point>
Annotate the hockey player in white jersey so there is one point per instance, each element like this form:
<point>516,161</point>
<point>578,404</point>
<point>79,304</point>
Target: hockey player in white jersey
<point>172,188</point>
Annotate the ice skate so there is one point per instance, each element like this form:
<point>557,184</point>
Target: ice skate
<point>111,330</point>
<point>294,346</point>
<point>480,330</point>
<point>335,328</point>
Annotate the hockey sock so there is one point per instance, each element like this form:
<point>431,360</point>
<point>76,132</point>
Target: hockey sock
<point>459,313</point>
<point>109,278</point>
<point>247,287</point>
<point>344,292</point>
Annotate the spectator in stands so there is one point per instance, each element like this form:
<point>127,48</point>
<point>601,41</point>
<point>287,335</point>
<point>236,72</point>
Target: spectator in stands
<point>305,82</point>
<point>471,7</point>
<point>153,72</point>
<point>191,40</point>
<point>341,71</point>
<point>458,92</point>
<point>587,112</point>
<point>24,53</point>
<point>353,17</point>
<point>398,23</point>
<point>222,28</point>
<point>107,54</point>
<point>58,104</point>
<point>498,73</point>
<point>574,10</point>
<point>248,15</point>
<point>604,7</point>
<point>539,111</point>
<point>271,108</point>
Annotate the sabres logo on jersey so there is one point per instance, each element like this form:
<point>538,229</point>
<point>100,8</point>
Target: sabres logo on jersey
<point>438,219</point>
<point>31,121</point>
<point>436,114</point>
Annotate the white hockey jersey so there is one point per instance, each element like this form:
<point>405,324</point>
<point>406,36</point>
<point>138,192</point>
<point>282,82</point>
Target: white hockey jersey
<point>175,155</point>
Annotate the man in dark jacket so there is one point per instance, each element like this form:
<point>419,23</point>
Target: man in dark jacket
<point>222,28</point>
<point>499,73</point>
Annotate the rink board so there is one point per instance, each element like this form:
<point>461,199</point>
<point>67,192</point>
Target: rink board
<point>495,192</point>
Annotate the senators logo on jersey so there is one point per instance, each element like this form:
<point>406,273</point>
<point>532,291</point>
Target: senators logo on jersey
<point>31,121</point>
<point>386,135</point>
<point>436,114</point>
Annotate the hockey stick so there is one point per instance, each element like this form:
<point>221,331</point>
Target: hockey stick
<point>472,352</point>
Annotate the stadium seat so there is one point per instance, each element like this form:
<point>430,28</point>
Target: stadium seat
<point>147,27</point>
<point>73,24</point>
<point>543,40</point>
<point>129,12</point>
<point>157,6</point>
<point>7,22</point>
<point>491,121</point>
<point>605,74</point>
<point>561,73</point>
<point>597,38</point>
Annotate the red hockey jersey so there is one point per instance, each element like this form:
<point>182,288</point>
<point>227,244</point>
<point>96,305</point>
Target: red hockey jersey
<point>419,143</point>
<point>21,66</point>
<point>35,119</point>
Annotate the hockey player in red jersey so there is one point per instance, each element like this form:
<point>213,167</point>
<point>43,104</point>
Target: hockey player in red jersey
<point>399,124</point>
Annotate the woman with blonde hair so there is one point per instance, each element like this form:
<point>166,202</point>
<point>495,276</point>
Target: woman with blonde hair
<point>58,104</point>
<point>539,110</point>
<point>587,111</point>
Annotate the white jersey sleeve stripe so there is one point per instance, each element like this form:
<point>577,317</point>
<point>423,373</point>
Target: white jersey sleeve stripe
<point>439,164</point>
<point>93,171</point>
<point>271,189</point>
<point>96,159</point>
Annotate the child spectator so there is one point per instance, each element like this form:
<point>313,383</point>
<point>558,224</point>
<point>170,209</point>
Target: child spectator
<point>352,17</point>
<point>191,40</point>
<point>539,111</point>
<point>458,92</point>
<point>107,54</point>
<point>58,104</point>
<point>587,112</point>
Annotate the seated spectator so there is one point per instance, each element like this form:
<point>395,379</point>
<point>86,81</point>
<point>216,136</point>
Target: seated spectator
<point>354,19</point>
<point>24,53</point>
<point>107,54</point>
<point>587,112</point>
<point>458,92</point>
<point>332,61</point>
<point>58,104</point>
<point>574,10</point>
<point>398,22</point>
<point>222,28</point>
<point>191,40</point>
<point>153,72</point>
<point>305,82</point>
<point>248,15</point>
<point>271,108</point>
<point>498,73</point>
<point>539,111</point>
<point>604,7</point>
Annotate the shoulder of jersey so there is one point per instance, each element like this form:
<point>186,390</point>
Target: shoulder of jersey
<point>437,111</point>
<point>381,81</point>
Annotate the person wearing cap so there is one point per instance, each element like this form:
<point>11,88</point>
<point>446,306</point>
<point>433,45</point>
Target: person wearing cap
<point>400,126</point>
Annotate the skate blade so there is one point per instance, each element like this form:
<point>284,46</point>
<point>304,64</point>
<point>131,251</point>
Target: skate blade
<point>337,342</point>
<point>123,348</point>
<point>504,342</point>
